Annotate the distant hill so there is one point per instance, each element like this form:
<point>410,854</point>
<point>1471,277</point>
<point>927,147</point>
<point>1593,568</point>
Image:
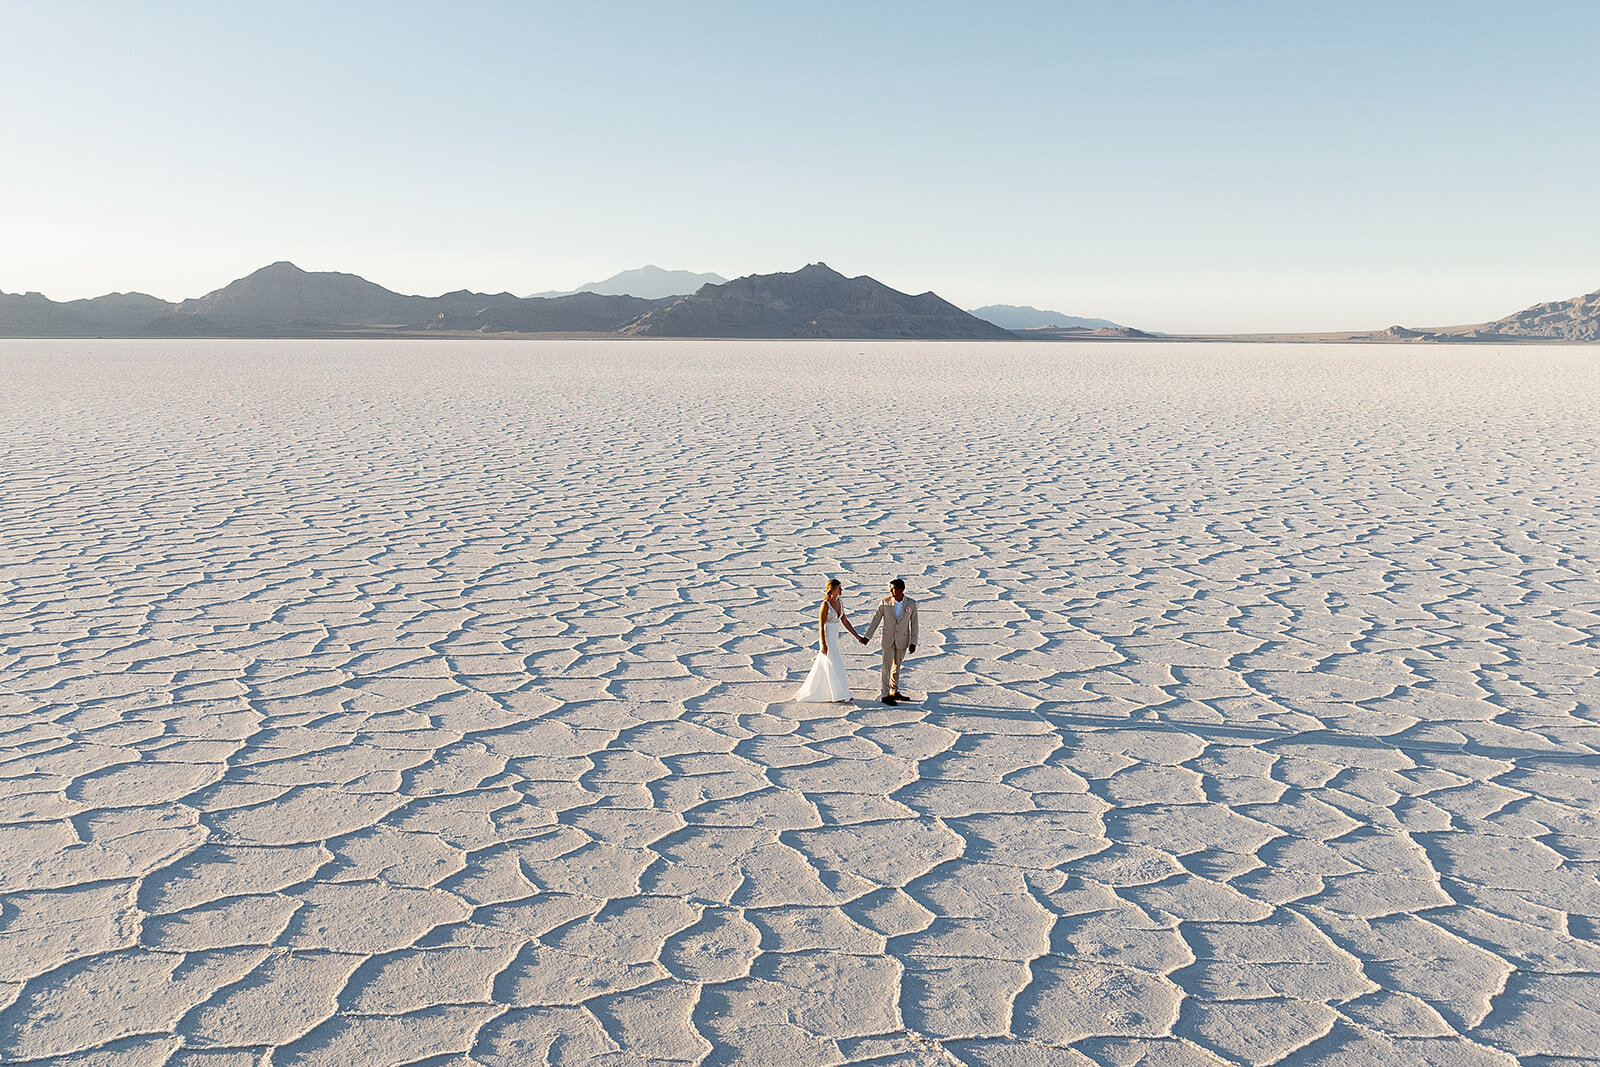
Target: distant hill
<point>649,282</point>
<point>1023,317</point>
<point>815,301</point>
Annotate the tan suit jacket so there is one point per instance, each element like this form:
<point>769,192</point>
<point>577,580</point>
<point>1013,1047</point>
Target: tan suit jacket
<point>898,633</point>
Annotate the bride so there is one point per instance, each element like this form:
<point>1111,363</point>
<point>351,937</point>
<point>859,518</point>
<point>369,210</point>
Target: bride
<point>827,681</point>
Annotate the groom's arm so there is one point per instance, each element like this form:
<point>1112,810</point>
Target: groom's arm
<point>873,627</point>
<point>914,614</point>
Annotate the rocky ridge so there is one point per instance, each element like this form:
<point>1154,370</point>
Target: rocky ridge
<point>1577,319</point>
<point>1573,321</point>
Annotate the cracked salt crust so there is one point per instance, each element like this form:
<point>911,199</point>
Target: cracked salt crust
<point>387,703</point>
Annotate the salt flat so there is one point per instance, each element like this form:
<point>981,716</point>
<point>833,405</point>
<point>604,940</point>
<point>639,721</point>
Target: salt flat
<point>368,702</point>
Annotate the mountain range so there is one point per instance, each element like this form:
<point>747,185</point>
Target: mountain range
<point>284,300</point>
<point>281,300</point>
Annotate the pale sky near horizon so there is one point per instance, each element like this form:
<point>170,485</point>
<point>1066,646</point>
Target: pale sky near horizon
<point>1173,166</point>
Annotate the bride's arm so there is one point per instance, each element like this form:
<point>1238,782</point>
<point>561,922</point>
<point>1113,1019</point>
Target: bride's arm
<point>822,625</point>
<point>846,620</point>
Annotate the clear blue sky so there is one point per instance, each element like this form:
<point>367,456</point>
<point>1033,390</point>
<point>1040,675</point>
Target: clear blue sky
<point>1177,166</point>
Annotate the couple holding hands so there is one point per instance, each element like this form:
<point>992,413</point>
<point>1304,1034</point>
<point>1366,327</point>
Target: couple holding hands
<point>897,614</point>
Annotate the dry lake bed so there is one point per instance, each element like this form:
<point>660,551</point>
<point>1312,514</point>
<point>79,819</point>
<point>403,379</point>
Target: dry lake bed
<point>385,703</point>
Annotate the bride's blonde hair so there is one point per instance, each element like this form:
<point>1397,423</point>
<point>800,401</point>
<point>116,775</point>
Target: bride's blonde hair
<point>827,590</point>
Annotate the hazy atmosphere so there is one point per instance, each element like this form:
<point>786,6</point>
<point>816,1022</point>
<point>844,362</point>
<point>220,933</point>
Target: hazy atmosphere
<point>1219,167</point>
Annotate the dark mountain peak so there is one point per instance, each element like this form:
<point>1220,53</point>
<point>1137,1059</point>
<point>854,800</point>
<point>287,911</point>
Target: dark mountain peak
<point>277,276</point>
<point>281,294</point>
<point>815,273</point>
<point>814,301</point>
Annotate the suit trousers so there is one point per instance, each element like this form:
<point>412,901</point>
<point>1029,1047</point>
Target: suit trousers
<point>889,679</point>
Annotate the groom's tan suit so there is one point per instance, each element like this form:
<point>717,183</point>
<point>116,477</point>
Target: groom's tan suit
<point>898,635</point>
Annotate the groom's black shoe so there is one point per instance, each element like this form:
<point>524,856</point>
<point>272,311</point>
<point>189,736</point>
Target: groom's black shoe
<point>891,699</point>
<point>898,697</point>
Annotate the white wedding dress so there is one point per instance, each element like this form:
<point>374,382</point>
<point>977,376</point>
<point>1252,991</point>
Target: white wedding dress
<point>827,682</point>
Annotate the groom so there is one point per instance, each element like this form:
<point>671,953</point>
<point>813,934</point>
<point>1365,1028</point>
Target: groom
<point>898,614</point>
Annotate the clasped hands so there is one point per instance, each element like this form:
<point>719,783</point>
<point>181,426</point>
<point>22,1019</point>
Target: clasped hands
<point>909,648</point>
<point>863,640</point>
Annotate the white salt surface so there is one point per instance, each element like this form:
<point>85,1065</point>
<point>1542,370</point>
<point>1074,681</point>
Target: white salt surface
<point>371,703</point>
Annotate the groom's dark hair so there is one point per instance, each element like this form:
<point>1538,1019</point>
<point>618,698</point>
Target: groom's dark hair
<point>895,583</point>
